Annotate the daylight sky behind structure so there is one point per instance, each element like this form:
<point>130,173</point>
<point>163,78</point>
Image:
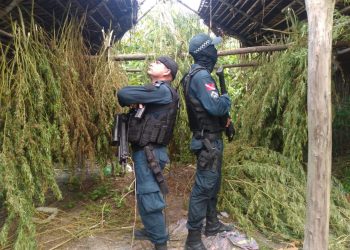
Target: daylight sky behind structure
<point>194,4</point>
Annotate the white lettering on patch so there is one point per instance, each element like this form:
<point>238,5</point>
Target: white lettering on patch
<point>214,95</point>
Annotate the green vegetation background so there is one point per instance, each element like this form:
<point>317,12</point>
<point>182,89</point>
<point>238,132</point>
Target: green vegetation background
<point>57,110</point>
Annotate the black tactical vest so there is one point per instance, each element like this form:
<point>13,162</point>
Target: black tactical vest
<point>199,119</point>
<point>157,124</point>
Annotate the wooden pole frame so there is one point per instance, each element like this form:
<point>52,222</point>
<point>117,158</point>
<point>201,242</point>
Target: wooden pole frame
<point>320,22</point>
<point>239,51</point>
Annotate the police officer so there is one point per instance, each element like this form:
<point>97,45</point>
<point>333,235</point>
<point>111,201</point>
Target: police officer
<point>149,134</point>
<point>205,109</point>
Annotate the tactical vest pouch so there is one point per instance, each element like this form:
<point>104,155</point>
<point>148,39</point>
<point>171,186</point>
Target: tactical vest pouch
<point>150,132</point>
<point>162,134</point>
<point>135,130</point>
<point>156,125</point>
<point>199,119</point>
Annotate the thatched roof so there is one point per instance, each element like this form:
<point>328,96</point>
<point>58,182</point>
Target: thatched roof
<point>250,21</point>
<point>119,15</point>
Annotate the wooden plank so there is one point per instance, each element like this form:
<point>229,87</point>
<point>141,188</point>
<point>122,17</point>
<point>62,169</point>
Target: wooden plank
<point>320,21</point>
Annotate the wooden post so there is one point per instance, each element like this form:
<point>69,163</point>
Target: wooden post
<point>320,21</point>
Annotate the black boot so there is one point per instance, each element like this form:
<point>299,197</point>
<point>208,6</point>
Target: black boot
<point>214,226</point>
<point>161,246</point>
<point>194,241</point>
<point>141,234</point>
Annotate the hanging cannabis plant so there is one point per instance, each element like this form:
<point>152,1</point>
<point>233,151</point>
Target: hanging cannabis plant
<point>57,106</point>
<point>264,175</point>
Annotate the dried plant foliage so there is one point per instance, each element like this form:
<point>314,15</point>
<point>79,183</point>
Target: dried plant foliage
<point>57,107</point>
<point>264,175</point>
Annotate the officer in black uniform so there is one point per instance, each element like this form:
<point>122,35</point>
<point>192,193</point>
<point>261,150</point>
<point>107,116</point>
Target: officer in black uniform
<point>149,134</point>
<point>206,110</point>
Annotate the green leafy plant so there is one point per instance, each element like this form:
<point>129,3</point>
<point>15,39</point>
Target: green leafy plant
<point>100,192</point>
<point>57,107</point>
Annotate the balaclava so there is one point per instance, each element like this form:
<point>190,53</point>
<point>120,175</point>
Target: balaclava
<point>206,57</point>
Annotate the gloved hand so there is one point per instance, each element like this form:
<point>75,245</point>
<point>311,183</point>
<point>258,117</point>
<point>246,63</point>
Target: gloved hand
<point>230,131</point>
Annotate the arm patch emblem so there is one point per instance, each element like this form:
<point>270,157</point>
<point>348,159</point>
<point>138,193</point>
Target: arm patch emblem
<point>210,86</point>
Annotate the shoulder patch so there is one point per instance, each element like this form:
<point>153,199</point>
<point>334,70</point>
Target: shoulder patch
<point>210,86</point>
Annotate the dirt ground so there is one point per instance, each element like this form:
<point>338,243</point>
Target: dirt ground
<point>102,216</point>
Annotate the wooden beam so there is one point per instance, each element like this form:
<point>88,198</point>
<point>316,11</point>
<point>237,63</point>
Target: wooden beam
<point>340,52</point>
<point>188,7</point>
<point>90,16</point>
<point>225,66</point>
<point>266,11</point>
<point>9,7</point>
<point>46,12</point>
<point>248,50</point>
<point>4,33</point>
<point>132,57</point>
<point>133,70</point>
<point>138,20</point>
<point>341,44</point>
<point>319,108</point>
<point>346,9</point>
<point>243,13</point>
<point>240,65</point>
<point>94,9</point>
<point>257,49</point>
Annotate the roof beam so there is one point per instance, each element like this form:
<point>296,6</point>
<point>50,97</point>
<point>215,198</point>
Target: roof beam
<point>94,9</point>
<point>269,8</point>
<point>90,16</point>
<point>9,7</point>
<point>188,7</point>
<point>38,6</point>
<point>243,13</point>
<point>81,8</point>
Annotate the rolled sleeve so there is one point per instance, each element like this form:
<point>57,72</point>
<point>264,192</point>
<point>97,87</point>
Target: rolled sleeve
<point>144,95</point>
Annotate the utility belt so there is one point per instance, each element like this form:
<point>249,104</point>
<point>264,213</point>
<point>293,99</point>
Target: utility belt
<point>154,165</point>
<point>199,135</point>
<point>136,147</point>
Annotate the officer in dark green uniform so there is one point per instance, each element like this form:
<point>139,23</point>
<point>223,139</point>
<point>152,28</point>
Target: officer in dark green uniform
<point>205,109</point>
<point>149,134</point>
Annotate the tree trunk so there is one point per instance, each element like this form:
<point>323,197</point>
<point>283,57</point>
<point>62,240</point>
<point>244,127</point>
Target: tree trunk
<point>320,21</point>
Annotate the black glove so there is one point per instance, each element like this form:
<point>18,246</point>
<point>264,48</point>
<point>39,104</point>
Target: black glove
<point>230,132</point>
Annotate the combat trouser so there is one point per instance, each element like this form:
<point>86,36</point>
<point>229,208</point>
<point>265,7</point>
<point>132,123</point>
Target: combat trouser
<point>149,198</point>
<point>203,198</point>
